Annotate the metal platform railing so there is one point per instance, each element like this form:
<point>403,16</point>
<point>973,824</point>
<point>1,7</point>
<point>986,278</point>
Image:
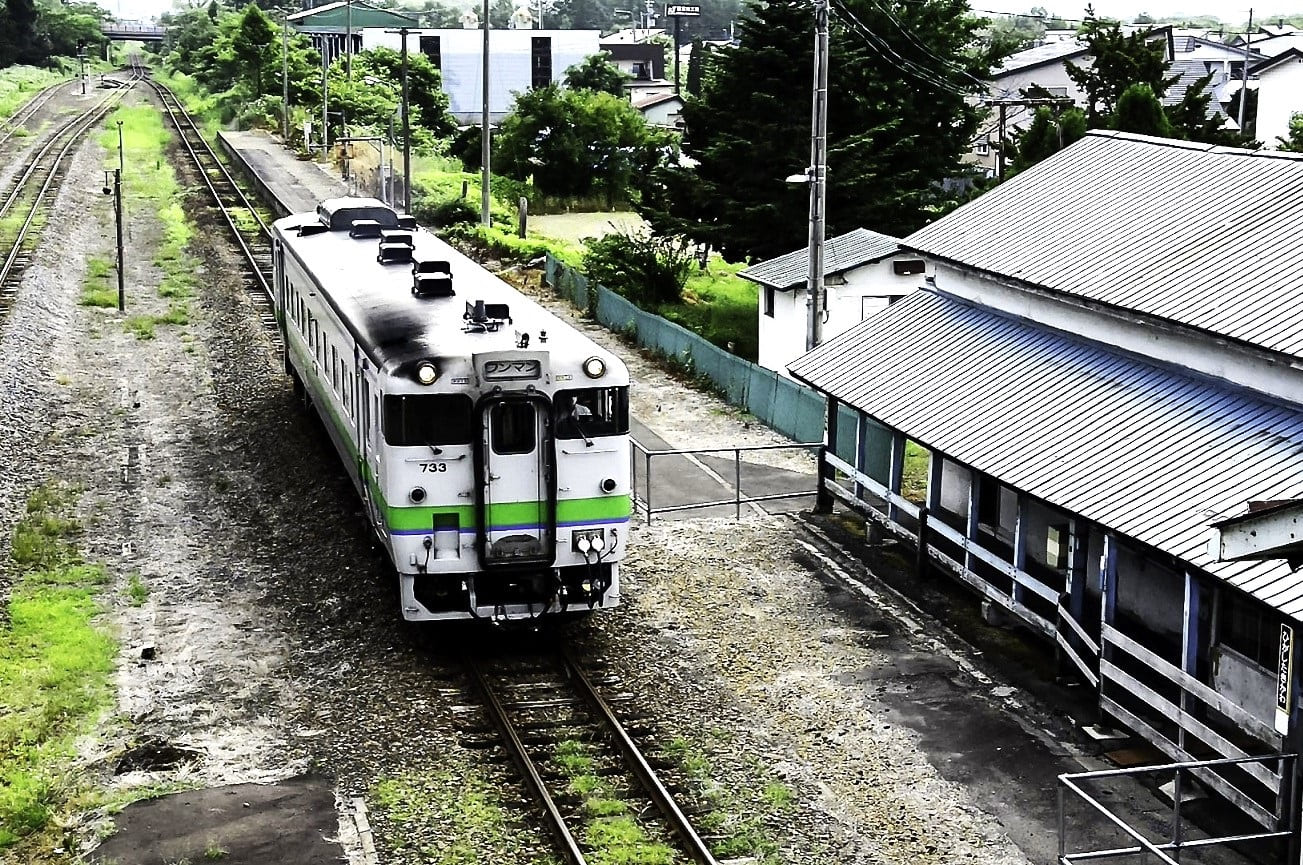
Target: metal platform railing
<point>642,498</point>
<point>1167,851</point>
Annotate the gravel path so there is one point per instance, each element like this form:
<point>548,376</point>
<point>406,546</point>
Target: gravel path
<point>277,645</point>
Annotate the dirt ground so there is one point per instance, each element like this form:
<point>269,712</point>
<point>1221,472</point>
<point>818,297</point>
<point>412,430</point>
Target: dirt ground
<point>267,673</point>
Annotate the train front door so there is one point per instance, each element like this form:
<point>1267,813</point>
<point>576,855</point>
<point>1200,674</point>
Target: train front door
<point>518,501</point>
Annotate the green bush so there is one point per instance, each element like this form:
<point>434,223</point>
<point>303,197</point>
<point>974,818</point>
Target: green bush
<point>445,213</point>
<point>647,269</point>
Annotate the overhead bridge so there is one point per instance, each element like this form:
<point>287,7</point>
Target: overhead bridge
<point>133,30</point>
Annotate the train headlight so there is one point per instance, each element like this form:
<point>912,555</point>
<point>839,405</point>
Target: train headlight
<point>426,372</point>
<point>417,495</point>
<point>594,367</point>
<point>608,485</point>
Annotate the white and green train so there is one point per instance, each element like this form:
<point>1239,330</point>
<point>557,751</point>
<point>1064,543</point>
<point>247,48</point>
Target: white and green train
<point>488,439</point>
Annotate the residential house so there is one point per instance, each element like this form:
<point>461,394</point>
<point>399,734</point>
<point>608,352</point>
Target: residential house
<point>664,110</point>
<point>1280,95</point>
<point>864,273</point>
<point>1095,375</point>
<point>521,59</point>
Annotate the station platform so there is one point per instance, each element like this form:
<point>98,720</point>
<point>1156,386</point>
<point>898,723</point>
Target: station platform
<point>285,183</point>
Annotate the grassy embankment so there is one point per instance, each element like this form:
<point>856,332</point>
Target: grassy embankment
<point>55,667</point>
<point>148,184</point>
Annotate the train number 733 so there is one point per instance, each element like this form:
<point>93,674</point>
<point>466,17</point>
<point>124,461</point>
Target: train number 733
<point>430,468</point>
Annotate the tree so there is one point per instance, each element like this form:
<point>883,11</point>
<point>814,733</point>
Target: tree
<point>252,45</point>
<point>597,73</point>
<point>1046,135</point>
<point>1120,60</point>
<point>427,102</point>
<point>575,142</point>
<point>1139,111</point>
<point>898,125</point>
<point>695,58</point>
<point>1293,141</point>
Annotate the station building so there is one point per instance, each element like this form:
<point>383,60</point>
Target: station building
<point>1104,359</point>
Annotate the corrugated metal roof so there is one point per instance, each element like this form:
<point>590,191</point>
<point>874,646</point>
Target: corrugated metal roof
<point>1066,49</point>
<point>840,254</point>
<point>1201,235</point>
<point>1148,452</point>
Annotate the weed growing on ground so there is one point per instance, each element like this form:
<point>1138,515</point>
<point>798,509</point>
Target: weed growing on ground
<point>137,591</point>
<point>473,824</point>
<point>55,668</point>
<point>737,819</point>
<point>99,288</point>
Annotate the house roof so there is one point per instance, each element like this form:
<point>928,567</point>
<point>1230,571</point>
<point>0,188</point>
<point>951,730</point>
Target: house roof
<point>333,16</point>
<point>1143,450</point>
<point>1203,236</point>
<point>652,101</point>
<point>1273,45</point>
<point>1293,54</point>
<point>842,253</point>
<point>1039,55</point>
<point>1188,73</point>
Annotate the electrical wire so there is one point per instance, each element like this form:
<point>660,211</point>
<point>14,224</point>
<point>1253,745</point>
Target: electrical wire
<point>883,49</point>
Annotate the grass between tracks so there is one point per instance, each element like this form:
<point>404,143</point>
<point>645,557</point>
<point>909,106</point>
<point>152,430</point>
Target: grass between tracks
<point>611,832</point>
<point>149,182</point>
<point>55,669</point>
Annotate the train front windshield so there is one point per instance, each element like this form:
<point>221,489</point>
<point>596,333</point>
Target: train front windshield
<point>591,412</point>
<point>429,419</point>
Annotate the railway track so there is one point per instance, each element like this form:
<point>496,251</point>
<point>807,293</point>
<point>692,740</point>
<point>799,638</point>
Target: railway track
<point>247,228</point>
<point>26,202</point>
<point>19,118</point>
<point>553,705</point>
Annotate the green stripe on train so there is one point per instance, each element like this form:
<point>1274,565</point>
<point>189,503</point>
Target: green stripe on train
<point>511,514</point>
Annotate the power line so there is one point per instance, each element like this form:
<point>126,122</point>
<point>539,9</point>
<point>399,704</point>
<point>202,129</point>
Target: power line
<point>883,49</point>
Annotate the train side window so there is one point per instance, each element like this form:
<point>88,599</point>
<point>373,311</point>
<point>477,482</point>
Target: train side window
<point>592,411</point>
<point>334,369</point>
<point>511,426</point>
<point>428,419</point>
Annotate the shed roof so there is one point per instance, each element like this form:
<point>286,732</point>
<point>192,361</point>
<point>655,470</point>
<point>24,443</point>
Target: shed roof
<point>842,253</point>
<point>1200,235</point>
<point>333,17</point>
<point>1146,451</point>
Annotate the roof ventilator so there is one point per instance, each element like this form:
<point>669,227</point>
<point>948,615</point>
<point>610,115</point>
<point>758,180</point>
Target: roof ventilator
<point>311,228</point>
<point>407,221</point>
<point>364,228</point>
<point>395,247</point>
<point>432,279</point>
<point>484,317</point>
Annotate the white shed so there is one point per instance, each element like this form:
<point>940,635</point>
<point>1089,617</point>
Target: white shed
<point>864,272</point>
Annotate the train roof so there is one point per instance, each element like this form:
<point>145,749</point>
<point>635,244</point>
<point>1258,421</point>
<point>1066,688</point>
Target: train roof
<point>393,326</point>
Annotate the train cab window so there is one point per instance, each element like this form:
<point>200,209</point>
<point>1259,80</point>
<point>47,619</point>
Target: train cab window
<point>511,426</point>
<point>591,412</point>
<point>428,419</point>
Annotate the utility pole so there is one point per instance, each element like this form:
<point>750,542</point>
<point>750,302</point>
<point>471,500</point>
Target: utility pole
<point>348,47</point>
<point>81,57</point>
<point>122,158</point>
<point>285,80</point>
<point>1003,104</point>
<point>484,128</point>
<point>818,175</point>
<point>407,134</point>
<point>325,101</point>
<point>1244,81</point>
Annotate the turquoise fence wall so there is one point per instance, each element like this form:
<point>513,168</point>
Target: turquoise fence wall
<point>793,409</point>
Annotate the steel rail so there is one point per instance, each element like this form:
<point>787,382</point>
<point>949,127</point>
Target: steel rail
<point>69,134</point>
<point>651,784</point>
<point>520,755</point>
<point>206,160</point>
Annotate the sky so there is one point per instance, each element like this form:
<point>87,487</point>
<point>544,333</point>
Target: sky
<point>1122,9</point>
